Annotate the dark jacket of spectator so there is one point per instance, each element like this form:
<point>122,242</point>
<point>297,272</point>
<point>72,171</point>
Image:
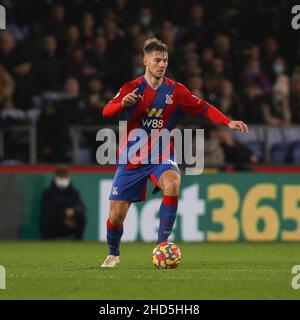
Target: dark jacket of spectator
<point>53,134</point>
<point>55,202</point>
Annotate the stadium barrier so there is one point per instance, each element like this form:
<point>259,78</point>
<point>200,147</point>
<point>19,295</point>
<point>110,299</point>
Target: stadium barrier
<point>273,144</point>
<point>30,131</point>
<point>252,206</point>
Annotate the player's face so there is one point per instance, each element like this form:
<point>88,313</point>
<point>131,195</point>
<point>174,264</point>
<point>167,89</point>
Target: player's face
<point>156,63</point>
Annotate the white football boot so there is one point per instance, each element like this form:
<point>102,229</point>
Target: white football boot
<point>111,261</point>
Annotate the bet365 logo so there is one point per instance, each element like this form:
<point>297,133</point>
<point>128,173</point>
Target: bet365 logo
<point>296,19</point>
<point>296,279</point>
<point>2,18</point>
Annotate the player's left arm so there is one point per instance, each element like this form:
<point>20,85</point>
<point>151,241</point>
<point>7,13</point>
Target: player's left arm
<point>193,105</point>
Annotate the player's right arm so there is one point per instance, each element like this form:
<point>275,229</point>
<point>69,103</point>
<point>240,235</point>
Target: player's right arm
<point>125,98</point>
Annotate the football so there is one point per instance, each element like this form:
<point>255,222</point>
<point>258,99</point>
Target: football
<point>166,255</point>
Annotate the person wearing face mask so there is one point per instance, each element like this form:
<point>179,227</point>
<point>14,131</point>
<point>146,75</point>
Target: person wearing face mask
<point>280,108</point>
<point>63,212</point>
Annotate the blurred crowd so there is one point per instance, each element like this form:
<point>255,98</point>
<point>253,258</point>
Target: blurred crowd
<point>60,62</point>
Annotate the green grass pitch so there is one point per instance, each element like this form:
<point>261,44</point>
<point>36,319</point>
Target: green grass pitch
<point>70,270</point>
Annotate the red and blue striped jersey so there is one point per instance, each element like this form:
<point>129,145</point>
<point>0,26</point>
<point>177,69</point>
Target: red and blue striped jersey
<point>158,109</point>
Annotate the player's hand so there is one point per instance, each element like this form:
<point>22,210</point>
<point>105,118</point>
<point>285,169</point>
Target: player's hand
<point>70,223</point>
<point>69,213</point>
<point>131,98</point>
<point>238,125</point>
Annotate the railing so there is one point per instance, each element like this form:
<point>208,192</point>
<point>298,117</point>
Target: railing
<point>266,135</point>
<point>32,146</point>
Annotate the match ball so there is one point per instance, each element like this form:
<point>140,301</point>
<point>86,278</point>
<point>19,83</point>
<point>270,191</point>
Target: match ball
<point>166,255</point>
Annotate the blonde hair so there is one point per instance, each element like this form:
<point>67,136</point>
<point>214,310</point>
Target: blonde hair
<point>153,44</point>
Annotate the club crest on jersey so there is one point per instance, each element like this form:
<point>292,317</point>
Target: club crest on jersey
<point>114,191</point>
<point>169,98</point>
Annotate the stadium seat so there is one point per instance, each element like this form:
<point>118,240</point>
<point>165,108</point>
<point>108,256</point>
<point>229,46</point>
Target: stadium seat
<point>295,153</point>
<point>279,153</point>
<point>254,140</point>
<point>292,140</point>
<point>277,144</point>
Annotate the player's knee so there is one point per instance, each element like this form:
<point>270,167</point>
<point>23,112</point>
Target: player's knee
<point>171,187</point>
<point>116,218</point>
<point>116,215</point>
<point>117,212</point>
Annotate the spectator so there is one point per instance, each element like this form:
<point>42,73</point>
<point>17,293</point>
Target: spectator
<point>191,67</point>
<point>188,46</point>
<point>7,50</point>
<point>196,26</point>
<point>195,84</point>
<point>145,18</point>
<point>168,35</point>
<point>223,51</point>
<point>213,151</point>
<point>138,43</point>
<point>253,52</point>
<point>114,37</point>
<point>78,66</point>
<point>278,68</point>
<point>132,31</point>
<point>33,44</point>
<point>57,17</point>
<point>72,39</point>
<point>253,102</point>
<point>115,44</point>
<point>122,10</point>
<point>50,67</point>
<point>207,58</point>
<point>56,24</point>
<point>100,59</point>
<point>63,212</point>
<point>280,108</point>
<point>7,87</point>
<point>254,73</point>
<point>270,52</point>
<point>227,100</point>
<point>94,101</point>
<point>295,98</point>
<point>71,104</point>
<point>138,66</point>
<point>53,134</point>
<point>26,83</point>
<point>214,77</point>
<point>88,30</point>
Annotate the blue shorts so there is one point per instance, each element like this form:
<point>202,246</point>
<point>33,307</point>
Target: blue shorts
<point>131,184</point>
